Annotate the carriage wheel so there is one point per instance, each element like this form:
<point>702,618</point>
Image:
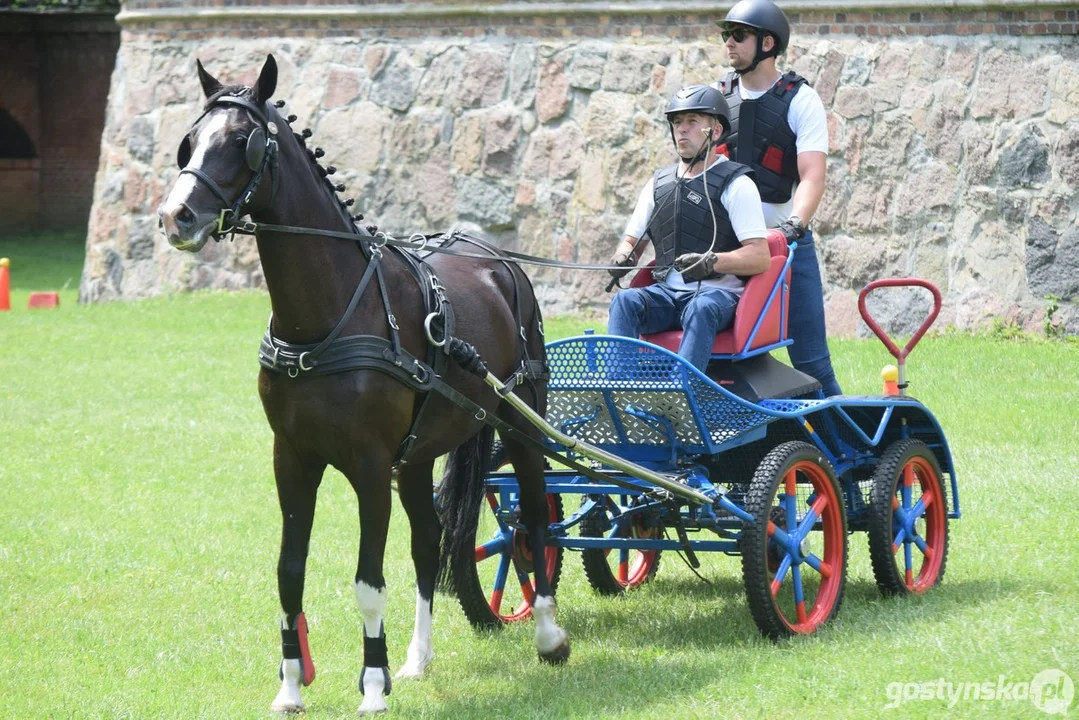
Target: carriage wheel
<point>612,572</point>
<point>499,587</point>
<point>794,569</point>
<point>908,520</point>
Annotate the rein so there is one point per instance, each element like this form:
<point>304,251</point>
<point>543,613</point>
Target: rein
<point>380,239</point>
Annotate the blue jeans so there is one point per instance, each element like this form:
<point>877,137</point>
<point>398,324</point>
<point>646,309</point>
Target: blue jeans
<point>699,314</point>
<point>805,324</point>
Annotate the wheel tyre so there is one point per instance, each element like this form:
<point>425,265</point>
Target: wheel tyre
<point>640,567</point>
<point>778,618</point>
<point>481,605</point>
<point>914,459</point>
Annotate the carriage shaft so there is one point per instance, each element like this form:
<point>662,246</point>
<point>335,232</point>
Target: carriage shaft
<point>594,453</point>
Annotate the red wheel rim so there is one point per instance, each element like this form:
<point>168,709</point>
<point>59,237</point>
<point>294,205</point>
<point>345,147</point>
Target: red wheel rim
<point>528,589</point>
<point>918,471</point>
<point>828,511</point>
<point>633,573</point>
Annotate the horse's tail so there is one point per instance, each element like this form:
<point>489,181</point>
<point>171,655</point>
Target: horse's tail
<point>459,498</point>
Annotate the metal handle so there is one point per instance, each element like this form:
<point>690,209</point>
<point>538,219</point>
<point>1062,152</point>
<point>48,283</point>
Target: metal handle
<point>900,355</point>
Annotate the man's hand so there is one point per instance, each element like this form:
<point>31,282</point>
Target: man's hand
<point>792,228</point>
<point>625,264</point>
<point>696,266</point>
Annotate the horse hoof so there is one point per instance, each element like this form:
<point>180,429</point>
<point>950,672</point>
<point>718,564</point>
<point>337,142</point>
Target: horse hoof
<point>557,656</point>
<point>373,706</point>
<point>287,708</point>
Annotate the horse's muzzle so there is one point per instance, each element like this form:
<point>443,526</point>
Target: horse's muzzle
<point>184,229</point>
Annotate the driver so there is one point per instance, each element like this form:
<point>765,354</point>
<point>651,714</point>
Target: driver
<point>704,215</point>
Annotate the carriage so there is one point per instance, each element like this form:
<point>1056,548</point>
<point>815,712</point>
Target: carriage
<point>748,459</point>
<point>381,357</point>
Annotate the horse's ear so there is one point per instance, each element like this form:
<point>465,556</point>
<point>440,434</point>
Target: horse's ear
<point>267,80</point>
<point>210,85</point>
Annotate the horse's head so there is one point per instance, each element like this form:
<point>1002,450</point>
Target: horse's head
<point>223,159</point>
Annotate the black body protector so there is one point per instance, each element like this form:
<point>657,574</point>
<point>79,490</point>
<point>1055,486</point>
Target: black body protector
<point>681,221</point>
<point>762,138</point>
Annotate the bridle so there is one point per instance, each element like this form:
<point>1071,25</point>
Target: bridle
<point>261,155</point>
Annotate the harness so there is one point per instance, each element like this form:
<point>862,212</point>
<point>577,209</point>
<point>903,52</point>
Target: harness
<point>335,354</point>
<point>761,137</point>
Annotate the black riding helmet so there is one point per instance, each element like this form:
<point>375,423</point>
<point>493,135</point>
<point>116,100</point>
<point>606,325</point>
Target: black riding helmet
<point>703,99</point>
<point>765,17</point>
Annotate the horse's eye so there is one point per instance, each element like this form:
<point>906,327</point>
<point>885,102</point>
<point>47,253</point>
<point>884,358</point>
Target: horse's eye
<point>240,141</point>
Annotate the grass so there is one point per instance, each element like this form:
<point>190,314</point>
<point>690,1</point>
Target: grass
<point>138,548</point>
<point>44,262</point>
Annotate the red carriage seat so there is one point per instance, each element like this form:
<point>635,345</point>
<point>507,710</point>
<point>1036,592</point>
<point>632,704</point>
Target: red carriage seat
<point>738,340</point>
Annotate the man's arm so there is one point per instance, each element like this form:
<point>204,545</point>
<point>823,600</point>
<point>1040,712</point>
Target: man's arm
<point>750,259</point>
<point>631,245</point>
<point>811,173</point>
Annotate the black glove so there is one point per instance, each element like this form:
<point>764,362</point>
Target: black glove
<point>792,228</point>
<point>625,264</point>
<point>696,266</point>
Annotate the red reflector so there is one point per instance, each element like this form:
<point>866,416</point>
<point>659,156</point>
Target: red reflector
<point>773,159</point>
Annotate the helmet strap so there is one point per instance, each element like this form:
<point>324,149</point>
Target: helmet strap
<point>758,56</point>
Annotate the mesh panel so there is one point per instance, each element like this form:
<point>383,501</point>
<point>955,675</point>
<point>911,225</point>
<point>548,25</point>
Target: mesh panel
<point>587,372</point>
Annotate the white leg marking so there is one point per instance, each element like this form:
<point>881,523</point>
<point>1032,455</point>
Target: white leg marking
<point>288,698</point>
<point>373,684</point>
<point>549,636</point>
<point>372,604</point>
<point>420,652</point>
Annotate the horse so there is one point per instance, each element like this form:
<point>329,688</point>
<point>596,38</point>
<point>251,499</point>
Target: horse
<point>368,402</point>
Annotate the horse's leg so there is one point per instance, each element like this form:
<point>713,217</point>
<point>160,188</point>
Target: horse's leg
<point>416,491</point>
<point>552,642</point>
<point>370,478</point>
<point>297,486</point>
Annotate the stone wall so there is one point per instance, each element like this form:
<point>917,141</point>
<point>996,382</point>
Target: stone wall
<point>955,143</point>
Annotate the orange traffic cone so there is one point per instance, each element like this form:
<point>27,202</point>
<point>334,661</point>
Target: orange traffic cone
<point>5,285</point>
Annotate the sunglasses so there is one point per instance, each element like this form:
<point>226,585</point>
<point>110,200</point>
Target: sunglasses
<point>739,34</point>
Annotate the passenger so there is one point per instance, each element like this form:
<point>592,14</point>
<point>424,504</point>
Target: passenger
<point>704,216</point>
<point>780,130</point>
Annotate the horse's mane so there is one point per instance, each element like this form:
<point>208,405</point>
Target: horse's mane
<point>247,93</point>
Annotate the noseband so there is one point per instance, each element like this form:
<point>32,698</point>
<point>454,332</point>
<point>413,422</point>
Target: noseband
<point>261,154</point>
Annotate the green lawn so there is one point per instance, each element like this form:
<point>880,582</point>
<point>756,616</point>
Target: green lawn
<point>44,262</point>
<point>139,544</point>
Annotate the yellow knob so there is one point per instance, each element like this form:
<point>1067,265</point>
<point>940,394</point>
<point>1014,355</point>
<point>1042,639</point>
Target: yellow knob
<point>4,262</point>
<point>890,373</point>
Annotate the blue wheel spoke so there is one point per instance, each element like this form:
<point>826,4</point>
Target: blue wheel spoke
<point>796,579</point>
<point>907,556</point>
<point>790,506</point>
<point>921,544</point>
<point>807,523</point>
<point>918,510</point>
<point>781,571</point>
<point>900,536</point>
<point>904,492</point>
<point>813,561</point>
<point>503,572</point>
<point>494,547</point>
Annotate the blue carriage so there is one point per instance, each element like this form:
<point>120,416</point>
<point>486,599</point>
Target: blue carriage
<point>748,459</point>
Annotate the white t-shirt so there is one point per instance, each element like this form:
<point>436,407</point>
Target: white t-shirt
<point>810,125</point>
<point>742,201</point>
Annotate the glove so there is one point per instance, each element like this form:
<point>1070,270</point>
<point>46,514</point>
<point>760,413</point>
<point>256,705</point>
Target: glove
<point>625,263</point>
<point>792,228</point>
<point>696,266</point>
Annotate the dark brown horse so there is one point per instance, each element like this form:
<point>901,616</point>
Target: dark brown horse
<point>241,156</point>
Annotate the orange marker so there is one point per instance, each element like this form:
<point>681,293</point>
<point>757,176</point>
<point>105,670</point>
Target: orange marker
<point>5,284</point>
<point>890,376</point>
